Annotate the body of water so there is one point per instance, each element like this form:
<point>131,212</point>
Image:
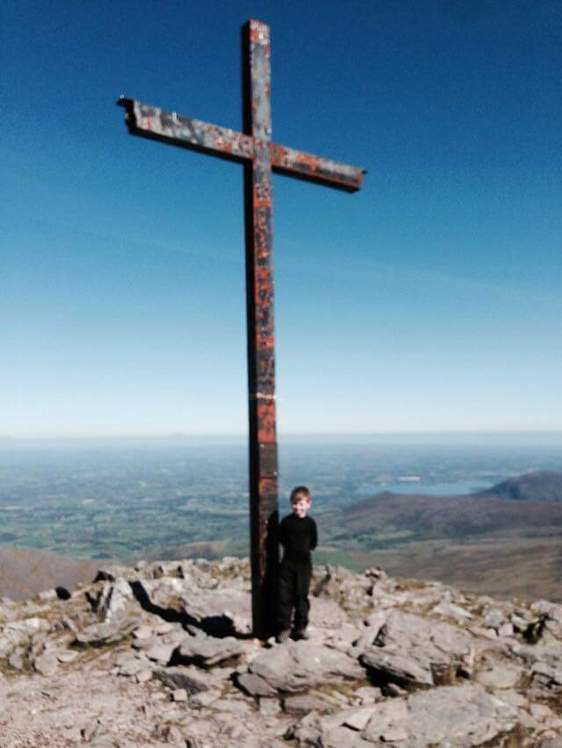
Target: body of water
<point>124,498</point>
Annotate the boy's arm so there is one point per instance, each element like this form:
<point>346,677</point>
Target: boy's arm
<point>313,535</point>
<point>282,533</point>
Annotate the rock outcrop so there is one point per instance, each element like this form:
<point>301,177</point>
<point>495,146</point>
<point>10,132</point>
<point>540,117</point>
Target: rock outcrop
<point>162,655</point>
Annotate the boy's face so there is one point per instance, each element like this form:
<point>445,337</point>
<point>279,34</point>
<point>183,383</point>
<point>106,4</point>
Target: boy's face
<point>301,506</point>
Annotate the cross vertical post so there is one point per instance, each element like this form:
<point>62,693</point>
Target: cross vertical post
<point>260,157</point>
<point>264,515</point>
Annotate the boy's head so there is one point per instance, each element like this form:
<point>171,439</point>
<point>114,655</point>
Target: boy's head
<point>300,501</point>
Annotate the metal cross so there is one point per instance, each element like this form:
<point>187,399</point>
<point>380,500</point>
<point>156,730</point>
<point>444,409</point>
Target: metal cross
<point>254,149</point>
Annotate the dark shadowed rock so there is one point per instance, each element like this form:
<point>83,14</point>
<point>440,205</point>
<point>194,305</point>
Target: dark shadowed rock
<point>115,600</point>
<point>408,670</point>
<point>207,651</point>
<point>412,651</point>
<point>255,685</point>
<point>190,679</point>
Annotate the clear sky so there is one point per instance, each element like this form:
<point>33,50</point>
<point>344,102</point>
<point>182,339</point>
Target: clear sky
<point>430,300</point>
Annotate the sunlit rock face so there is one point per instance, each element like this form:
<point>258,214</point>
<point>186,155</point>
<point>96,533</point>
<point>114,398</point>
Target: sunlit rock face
<point>162,654</point>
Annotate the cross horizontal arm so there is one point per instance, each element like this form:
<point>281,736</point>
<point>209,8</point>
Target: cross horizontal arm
<point>151,122</point>
<point>315,169</point>
<point>174,129</point>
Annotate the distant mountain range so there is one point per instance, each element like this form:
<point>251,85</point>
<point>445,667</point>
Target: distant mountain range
<point>476,540</point>
<point>505,540</point>
<point>535,504</point>
<point>539,485</point>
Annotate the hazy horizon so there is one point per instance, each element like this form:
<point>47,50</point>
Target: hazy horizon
<point>439,439</point>
<point>121,497</point>
<point>286,434</point>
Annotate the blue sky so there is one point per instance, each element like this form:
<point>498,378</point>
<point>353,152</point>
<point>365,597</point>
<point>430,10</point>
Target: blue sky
<point>431,300</point>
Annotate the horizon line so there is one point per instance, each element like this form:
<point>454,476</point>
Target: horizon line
<point>77,436</point>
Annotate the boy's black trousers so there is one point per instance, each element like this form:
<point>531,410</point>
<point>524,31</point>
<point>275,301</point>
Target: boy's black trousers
<point>294,584</point>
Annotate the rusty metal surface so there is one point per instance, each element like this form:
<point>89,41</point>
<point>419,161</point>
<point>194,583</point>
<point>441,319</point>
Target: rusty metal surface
<point>175,129</point>
<point>261,341</point>
<point>258,63</point>
<point>151,122</point>
<point>315,169</point>
<point>254,149</point>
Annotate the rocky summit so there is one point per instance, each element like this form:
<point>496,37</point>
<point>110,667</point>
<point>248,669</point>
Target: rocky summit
<point>162,654</point>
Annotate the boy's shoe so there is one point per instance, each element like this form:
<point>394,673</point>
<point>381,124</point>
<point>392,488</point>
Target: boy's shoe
<point>283,636</point>
<point>301,634</point>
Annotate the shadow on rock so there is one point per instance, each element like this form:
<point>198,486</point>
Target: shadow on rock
<point>219,626</point>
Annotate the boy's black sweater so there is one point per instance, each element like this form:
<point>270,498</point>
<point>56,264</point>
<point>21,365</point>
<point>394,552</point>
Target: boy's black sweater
<point>298,536</point>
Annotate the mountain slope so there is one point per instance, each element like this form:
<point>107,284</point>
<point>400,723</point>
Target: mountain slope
<point>484,542</point>
<point>540,485</point>
<point>425,517</point>
<point>25,572</point>
<point>401,516</point>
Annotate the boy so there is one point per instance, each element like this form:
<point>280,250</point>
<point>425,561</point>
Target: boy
<point>298,536</point>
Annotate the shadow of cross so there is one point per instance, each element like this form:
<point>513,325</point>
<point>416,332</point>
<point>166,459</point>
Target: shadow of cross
<point>254,149</point>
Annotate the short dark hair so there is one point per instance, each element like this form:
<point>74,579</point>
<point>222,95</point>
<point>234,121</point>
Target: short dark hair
<point>299,492</point>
